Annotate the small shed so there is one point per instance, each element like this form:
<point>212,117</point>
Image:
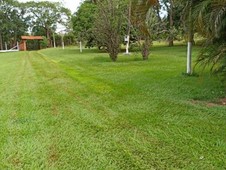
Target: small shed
<point>23,45</point>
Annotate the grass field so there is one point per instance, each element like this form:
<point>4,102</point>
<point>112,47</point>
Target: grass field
<point>60,109</point>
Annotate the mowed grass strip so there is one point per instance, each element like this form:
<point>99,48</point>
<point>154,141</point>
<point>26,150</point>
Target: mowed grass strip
<point>61,109</point>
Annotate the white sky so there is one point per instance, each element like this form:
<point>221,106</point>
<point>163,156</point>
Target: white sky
<point>70,4</point>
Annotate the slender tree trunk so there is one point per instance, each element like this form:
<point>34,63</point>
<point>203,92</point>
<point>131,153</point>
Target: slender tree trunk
<point>48,37</point>
<point>6,46</point>
<point>146,48</point>
<point>15,40</point>
<point>54,41</point>
<point>171,22</point>
<point>190,40</point>
<point>62,41</point>
<point>80,46</point>
<point>129,25</point>
<point>1,41</point>
<point>113,46</point>
<point>113,52</point>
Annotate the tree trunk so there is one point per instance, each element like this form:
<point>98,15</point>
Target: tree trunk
<point>146,48</point>
<point>171,36</point>
<point>80,46</point>
<point>129,25</point>
<point>113,56</point>
<point>15,40</point>
<point>189,58</point>
<point>190,40</point>
<point>113,48</point>
<point>1,45</point>
<point>54,41</point>
<point>48,37</point>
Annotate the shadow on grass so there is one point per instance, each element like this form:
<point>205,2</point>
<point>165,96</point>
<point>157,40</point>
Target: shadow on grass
<point>121,59</point>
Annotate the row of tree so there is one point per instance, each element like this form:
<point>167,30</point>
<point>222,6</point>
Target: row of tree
<point>104,23</point>
<point>13,22</point>
<point>36,18</point>
<point>142,21</point>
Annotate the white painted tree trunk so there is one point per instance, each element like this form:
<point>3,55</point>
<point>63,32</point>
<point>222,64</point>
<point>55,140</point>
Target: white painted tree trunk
<point>80,46</point>
<point>189,58</point>
<point>54,41</point>
<point>1,42</point>
<point>62,39</point>
<point>6,47</point>
<point>18,47</point>
<point>127,44</point>
<point>129,24</point>
<point>190,39</point>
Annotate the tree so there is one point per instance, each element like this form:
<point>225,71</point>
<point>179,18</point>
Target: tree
<point>190,36</point>
<point>83,22</point>
<point>210,21</point>
<point>47,15</point>
<point>140,9</point>
<point>169,5</point>
<point>13,22</point>
<point>108,23</point>
<point>188,18</point>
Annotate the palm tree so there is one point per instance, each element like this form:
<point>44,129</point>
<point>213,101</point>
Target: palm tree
<point>189,20</point>
<point>190,36</point>
<point>211,22</point>
<point>140,9</point>
<point>189,29</point>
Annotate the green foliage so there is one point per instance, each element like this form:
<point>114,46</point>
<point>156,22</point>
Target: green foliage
<point>37,45</point>
<point>69,39</point>
<point>44,43</point>
<point>38,31</point>
<point>108,25</point>
<point>170,25</point>
<point>13,22</point>
<point>210,22</point>
<point>32,45</point>
<point>47,15</point>
<point>139,18</point>
<point>83,22</point>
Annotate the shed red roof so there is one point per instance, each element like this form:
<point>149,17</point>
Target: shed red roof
<point>31,38</point>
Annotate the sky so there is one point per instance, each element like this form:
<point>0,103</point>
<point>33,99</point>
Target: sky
<point>70,4</point>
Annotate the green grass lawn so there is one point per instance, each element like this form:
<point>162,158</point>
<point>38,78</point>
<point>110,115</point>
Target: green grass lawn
<point>60,109</point>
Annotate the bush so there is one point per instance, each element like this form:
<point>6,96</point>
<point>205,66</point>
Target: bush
<point>44,43</point>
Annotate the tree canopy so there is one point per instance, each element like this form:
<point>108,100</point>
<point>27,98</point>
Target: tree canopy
<point>47,15</point>
<point>83,23</point>
<point>13,22</point>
